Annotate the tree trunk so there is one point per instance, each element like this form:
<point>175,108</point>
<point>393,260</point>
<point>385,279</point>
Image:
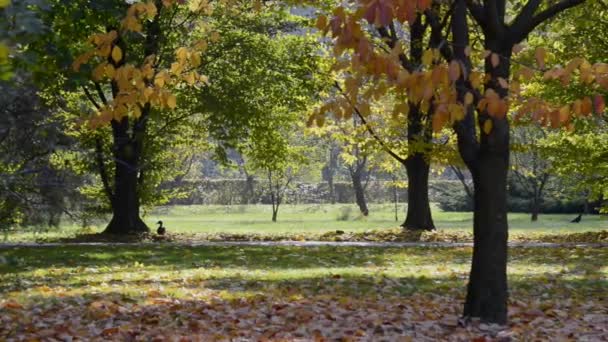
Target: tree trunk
<point>535,208</point>
<point>487,288</point>
<point>125,200</point>
<point>418,205</point>
<point>274,214</point>
<point>332,191</point>
<point>359,193</point>
<point>249,191</point>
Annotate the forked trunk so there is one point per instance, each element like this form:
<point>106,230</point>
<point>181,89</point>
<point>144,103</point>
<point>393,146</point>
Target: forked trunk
<point>418,206</point>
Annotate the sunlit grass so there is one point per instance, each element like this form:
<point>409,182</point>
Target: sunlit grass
<point>317,219</point>
<point>230,272</point>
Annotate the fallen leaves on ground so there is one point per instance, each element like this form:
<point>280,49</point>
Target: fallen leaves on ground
<point>163,292</point>
<point>413,318</point>
<point>376,235</point>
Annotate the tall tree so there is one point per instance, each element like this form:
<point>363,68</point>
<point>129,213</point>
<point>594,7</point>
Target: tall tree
<point>454,90</point>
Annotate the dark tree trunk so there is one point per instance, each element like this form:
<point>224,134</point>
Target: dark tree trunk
<point>418,205</point>
<point>274,214</point>
<point>535,208</point>
<point>332,191</point>
<point>487,288</point>
<point>359,192</point>
<point>250,191</point>
<point>125,203</point>
<point>125,197</point>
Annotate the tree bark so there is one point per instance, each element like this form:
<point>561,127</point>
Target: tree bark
<point>487,290</point>
<point>535,208</point>
<point>359,192</point>
<point>418,206</point>
<point>125,200</point>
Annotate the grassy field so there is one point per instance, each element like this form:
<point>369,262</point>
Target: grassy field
<point>302,219</point>
<point>163,289</point>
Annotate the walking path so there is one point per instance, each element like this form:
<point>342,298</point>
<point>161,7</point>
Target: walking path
<point>301,244</point>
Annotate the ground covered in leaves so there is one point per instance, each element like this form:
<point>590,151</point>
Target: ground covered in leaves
<point>375,235</point>
<point>291,293</point>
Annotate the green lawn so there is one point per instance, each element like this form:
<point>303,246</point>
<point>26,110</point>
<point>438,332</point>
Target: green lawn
<point>237,290</point>
<point>302,219</point>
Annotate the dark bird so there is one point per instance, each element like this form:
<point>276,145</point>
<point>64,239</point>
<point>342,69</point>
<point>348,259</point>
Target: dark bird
<point>578,218</point>
<point>161,230</point>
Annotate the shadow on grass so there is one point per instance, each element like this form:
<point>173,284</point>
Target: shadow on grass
<point>325,270</point>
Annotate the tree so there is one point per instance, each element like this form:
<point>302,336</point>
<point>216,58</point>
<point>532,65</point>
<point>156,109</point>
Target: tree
<point>531,169</point>
<point>328,172</point>
<point>454,90</point>
<point>140,125</point>
<point>416,117</point>
<point>33,188</point>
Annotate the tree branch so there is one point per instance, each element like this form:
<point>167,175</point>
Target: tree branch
<point>90,97</point>
<point>526,27</point>
<point>369,129</point>
<point>102,169</point>
<point>476,11</point>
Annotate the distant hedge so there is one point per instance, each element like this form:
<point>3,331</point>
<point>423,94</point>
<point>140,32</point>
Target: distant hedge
<point>236,191</point>
<point>448,194</point>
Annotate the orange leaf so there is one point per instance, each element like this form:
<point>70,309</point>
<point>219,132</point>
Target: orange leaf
<point>454,71</point>
<point>495,59</point>
<point>599,105</point>
<point>540,55</point>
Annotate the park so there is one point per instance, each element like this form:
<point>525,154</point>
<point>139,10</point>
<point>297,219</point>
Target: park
<point>303,170</point>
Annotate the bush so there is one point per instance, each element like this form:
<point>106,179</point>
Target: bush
<point>344,214</point>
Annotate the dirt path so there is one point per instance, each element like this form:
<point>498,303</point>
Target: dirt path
<point>302,244</point>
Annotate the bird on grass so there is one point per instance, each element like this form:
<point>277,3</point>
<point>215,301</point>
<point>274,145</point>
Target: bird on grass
<point>161,230</point>
<point>578,218</point>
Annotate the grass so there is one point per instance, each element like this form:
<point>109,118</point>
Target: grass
<point>42,273</point>
<point>319,219</point>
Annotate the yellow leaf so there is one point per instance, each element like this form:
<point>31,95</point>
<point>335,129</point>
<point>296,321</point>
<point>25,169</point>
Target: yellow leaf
<point>487,126</point>
<point>182,53</point>
<point>116,54</point>
<point>171,101</point>
<point>176,68</point>
<point>468,98</point>
<point>136,112</point>
<point>110,71</point>
<point>214,37</point>
<point>4,3</point>
<point>475,79</point>
<point>190,78</point>
<point>195,59</point>
<point>151,9</point>
<point>427,57</point>
<point>98,72</point>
